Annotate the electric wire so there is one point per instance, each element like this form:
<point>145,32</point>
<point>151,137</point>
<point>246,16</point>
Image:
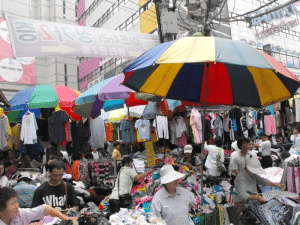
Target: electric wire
<point>259,15</point>
<point>125,8</point>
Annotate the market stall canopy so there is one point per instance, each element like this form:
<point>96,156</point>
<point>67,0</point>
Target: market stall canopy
<point>238,74</point>
<point>109,94</point>
<point>46,96</point>
<point>4,100</point>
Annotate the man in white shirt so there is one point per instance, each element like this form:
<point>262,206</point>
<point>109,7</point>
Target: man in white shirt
<point>265,149</point>
<point>239,157</point>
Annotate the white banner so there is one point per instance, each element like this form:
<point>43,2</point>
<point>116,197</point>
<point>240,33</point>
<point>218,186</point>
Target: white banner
<point>35,38</point>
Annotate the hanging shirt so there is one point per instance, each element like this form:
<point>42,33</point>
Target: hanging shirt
<point>161,125</point>
<point>196,125</point>
<point>58,121</point>
<point>16,134</point>
<point>109,129</point>
<point>3,132</point>
<point>143,127</point>
<point>75,170</point>
<point>29,128</point>
<point>96,155</point>
<point>98,134</point>
<point>128,130</point>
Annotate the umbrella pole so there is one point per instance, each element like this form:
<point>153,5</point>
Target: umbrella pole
<point>128,113</point>
<point>203,131</point>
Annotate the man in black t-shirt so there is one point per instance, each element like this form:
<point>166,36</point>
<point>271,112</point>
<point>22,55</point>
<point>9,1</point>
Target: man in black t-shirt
<point>55,192</point>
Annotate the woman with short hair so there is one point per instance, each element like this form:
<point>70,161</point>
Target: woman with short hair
<point>11,214</point>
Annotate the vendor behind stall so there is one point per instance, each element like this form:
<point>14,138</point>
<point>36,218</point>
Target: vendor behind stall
<point>172,203</point>
<point>189,159</point>
<point>11,214</point>
<point>55,192</point>
<point>124,184</point>
<point>246,183</point>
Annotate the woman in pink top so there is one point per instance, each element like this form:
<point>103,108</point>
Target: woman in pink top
<point>11,214</point>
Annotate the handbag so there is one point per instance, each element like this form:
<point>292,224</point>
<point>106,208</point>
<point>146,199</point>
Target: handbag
<point>126,199</point>
<point>220,166</point>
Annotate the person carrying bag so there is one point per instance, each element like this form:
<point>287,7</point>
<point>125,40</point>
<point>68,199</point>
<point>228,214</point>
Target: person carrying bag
<point>121,197</point>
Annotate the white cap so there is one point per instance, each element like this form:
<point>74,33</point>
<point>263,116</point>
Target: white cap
<point>25,175</point>
<point>168,174</point>
<point>188,149</point>
<point>253,165</point>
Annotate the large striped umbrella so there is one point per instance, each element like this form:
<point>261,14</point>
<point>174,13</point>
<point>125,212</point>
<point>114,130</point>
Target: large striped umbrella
<point>211,71</point>
<point>238,74</point>
<point>46,96</point>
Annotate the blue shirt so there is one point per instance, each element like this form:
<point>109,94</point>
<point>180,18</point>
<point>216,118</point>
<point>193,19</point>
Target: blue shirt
<point>25,194</point>
<point>128,134</point>
<point>143,127</point>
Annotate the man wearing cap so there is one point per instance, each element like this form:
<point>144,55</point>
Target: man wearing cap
<point>172,203</point>
<point>189,159</point>
<point>24,190</point>
<point>246,183</point>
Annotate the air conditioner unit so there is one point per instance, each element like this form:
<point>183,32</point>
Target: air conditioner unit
<point>90,84</point>
<point>96,81</point>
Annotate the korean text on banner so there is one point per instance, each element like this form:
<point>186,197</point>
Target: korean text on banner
<point>41,38</point>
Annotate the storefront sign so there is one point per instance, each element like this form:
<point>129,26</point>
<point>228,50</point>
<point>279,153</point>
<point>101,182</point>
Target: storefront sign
<point>277,29</point>
<point>43,39</point>
<point>15,70</point>
<point>287,11</point>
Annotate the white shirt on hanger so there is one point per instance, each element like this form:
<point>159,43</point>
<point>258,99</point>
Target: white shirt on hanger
<point>28,129</point>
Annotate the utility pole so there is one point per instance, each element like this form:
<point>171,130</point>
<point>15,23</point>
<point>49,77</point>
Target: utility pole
<point>166,21</point>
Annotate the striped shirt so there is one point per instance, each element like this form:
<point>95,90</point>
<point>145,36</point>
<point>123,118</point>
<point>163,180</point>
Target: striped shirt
<point>25,194</point>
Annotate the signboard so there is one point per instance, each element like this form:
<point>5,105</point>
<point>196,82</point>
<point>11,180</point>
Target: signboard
<point>278,28</point>
<point>41,38</point>
<point>287,11</point>
<point>16,70</point>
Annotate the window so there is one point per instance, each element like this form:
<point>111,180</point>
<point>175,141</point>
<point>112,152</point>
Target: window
<point>64,6</point>
<point>76,11</point>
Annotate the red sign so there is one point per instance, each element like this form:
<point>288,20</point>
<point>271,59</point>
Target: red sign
<point>16,70</point>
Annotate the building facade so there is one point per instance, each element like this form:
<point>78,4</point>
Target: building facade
<point>123,15</point>
<point>48,70</point>
<point>276,33</point>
